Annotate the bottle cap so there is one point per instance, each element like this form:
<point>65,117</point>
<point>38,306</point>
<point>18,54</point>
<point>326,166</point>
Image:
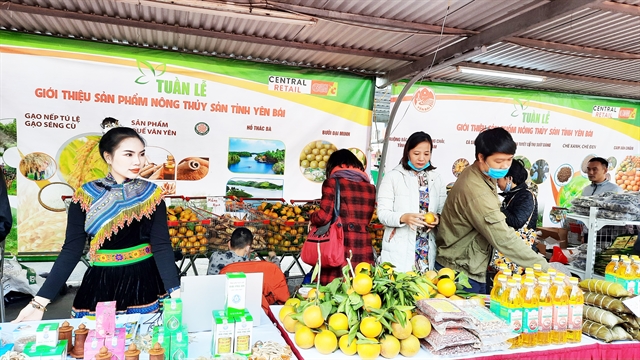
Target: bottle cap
<point>574,280</point>
<point>537,267</point>
<point>528,281</point>
<point>502,277</point>
<point>511,282</point>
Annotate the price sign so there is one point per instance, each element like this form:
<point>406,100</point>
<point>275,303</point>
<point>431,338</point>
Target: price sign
<point>217,204</point>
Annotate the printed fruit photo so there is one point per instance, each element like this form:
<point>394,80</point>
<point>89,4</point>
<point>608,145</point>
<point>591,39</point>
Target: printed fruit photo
<point>628,174</point>
<point>313,159</point>
<point>459,166</point>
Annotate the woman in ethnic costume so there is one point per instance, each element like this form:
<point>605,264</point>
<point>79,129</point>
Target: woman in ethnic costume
<point>125,219</point>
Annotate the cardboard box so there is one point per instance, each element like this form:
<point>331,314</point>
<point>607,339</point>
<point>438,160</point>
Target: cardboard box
<point>560,234</point>
<point>47,334</point>
<point>235,291</point>
<point>179,344</point>
<point>44,352</point>
<point>222,334</point>
<point>92,345</point>
<point>164,339</point>
<point>242,334</point>
<point>105,318</point>
<point>115,344</point>
<point>172,315</point>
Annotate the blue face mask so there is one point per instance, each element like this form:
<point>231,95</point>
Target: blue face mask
<point>508,187</point>
<point>496,173</point>
<point>416,169</point>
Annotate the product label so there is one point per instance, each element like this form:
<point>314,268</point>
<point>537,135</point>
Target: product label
<point>530,320</point>
<point>494,305</point>
<point>574,321</point>
<point>560,315</point>
<point>515,319</point>
<point>545,318</point>
<point>444,306</point>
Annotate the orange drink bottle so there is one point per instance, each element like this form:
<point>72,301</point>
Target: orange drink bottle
<point>612,267</point>
<point>529,313</point>
<point>511,311</point>
<point>560,302</point>
<point>576,303</point>
<point>496,293</point>
<point>545,311</point>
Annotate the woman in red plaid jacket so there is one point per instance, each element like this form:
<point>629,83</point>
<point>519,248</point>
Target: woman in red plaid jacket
<point>357,202</point>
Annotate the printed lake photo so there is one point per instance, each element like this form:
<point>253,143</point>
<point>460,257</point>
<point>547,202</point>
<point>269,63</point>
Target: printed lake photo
<point>256,156</point>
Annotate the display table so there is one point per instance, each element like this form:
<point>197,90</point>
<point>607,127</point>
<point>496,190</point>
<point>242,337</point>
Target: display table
<point>199,343</point>
<point>589,348</point>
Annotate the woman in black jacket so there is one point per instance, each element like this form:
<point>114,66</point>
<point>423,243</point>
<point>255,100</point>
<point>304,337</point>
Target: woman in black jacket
<point>520,205</point>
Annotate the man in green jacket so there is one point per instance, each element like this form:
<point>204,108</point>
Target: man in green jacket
<point>471,223</point>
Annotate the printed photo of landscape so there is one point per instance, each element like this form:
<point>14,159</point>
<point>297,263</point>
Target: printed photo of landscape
<point>256,156</point>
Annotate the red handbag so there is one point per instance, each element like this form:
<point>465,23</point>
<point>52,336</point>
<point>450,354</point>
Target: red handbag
<point>325,244</point>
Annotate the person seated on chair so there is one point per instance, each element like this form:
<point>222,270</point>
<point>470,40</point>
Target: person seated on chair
<point>239,250</point>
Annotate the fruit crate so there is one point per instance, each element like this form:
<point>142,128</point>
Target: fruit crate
<point>188,227</point>
<point>376,232</point>
<point>222,226</point>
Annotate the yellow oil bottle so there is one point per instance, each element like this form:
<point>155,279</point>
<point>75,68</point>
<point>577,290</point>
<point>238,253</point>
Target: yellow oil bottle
<point>545,311</point>
<point>511,311</point>
<point>560,302</point>
<point>530,316</point>
<point>626,276</point>
<point>499,286</point>
<point>635,264</point>
<point>518,279</point>
<point>576,303</point>
<point>612,267</point>
<point>529,274</point>
<point>537,270</point>
<point>501,270</point>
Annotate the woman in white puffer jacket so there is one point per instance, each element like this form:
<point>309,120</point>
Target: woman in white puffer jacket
<point>406,193</point>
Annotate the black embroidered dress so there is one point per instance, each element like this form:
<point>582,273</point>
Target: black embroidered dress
<point>131,254</point>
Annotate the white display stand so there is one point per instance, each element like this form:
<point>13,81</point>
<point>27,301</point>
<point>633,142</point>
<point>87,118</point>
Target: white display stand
<point>594,225</point>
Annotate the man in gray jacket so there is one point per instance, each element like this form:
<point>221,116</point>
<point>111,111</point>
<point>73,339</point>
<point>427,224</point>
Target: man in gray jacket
<point>471,223</point>
<point>597,169</point>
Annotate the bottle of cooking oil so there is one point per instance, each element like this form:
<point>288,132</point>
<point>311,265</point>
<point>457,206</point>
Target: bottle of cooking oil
<point>635,264</point>
<point>545,311</point>
<point>530,316</point>
<point>499,286</point>
<point>518,279</point>
<point>529,274</point>
<point>626,276</point>
<point>511,311</point>
<point>501,268</point>
<point>537,270</point>
<point>576,303</point>
<point>560,302</point>
<point>612,267</point>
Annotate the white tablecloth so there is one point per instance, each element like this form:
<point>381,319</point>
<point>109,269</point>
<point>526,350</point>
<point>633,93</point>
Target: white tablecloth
<point>200,344</point>
<point>313,354</point>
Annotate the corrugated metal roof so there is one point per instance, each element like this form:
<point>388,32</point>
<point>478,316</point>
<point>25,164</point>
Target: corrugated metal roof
<point>364,36</point>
